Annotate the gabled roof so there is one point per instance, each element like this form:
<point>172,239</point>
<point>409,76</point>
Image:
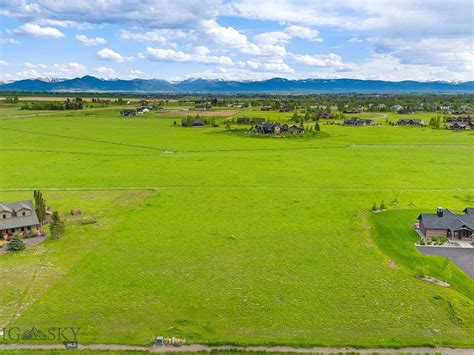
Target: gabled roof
<point>17,221</point>
<point>448,220</point>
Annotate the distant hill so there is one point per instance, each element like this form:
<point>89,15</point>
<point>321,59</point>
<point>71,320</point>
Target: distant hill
<point>93,84</point>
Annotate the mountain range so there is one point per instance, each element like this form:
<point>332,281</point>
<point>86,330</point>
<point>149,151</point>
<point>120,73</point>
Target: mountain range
<point>93,84</point>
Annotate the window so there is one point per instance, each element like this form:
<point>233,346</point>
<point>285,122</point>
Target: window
<point>4,216</point>
<point>23,213</point>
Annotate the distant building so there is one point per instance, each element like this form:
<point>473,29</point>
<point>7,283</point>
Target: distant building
<point>447,224</point>
<point>410,122</point>
<point>457,126</point>
<point>18,217</point>
<point>356,121</point>
<point>267,127</point>
<point>128,112</point>
<point>294,129</point>
<point>192,122</point>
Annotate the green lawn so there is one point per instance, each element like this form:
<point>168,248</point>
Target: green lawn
<point>222,239</point>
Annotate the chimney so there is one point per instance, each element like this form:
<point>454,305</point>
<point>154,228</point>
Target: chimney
<point>439,211</point>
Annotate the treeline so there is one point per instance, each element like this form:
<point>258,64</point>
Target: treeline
<point>75,104</point>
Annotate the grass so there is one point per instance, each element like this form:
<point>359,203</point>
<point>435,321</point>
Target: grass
<point>227,240</point>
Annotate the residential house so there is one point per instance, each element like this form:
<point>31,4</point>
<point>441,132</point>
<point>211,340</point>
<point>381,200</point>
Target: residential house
<point>144,109</point>
<point>267,128</point>
<point>458,125</point>
<point>410,122</point>
<point>464,119</point>
<point>128,112</point>
<point>194,122</point>
<point>294,129</point>
<point>445,223</point>
<point>18,217</point>
<point>285,109</point>
<point>356,121</point>
<point>266,108</point>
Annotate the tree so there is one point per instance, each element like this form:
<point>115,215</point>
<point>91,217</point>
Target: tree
<point>40,206</point>
<point>318,128</point>
<point>294,118</point>
<point>16,244</point>
<point>374,207</point>
<point>382,206</point>
<point>56,226</point>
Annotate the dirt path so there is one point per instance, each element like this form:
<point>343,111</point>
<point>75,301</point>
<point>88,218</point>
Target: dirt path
<point>278,349</point>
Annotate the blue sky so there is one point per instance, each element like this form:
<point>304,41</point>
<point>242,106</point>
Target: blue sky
<point>237,39</point>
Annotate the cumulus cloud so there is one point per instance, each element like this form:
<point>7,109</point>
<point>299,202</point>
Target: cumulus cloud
<point>90,41</point>
<point>110,55</point>
<point>67,70</point>
<point>163,36</point>
<point>105,72</point>
<point>325,60</point>
<point>148,13</point>
<point>170,55</point>
<point>33,29</point>
<point>303,32</point>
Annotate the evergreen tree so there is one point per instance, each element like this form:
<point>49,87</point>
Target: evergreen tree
<point>382,206</point>
<point>318,128</point>
<point>56,226</point>
<point>16,244</point>
<point>40,205</point>
<point>374,207</point>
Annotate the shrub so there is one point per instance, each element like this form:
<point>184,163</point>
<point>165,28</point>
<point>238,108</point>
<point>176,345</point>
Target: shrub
<point>16,244</point>
<point>56,226</point>
<point>374,207</point>
<point>382,206</point>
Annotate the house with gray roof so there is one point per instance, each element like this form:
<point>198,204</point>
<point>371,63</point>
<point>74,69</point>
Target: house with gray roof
<point>448,224</point>
<point>18,217</point>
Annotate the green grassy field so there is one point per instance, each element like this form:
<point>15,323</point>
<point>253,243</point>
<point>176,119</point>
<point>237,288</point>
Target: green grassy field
<point>225,239</point>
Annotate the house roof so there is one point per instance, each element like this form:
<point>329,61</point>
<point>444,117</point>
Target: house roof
<point>17,221</point>
<point>448,220</point>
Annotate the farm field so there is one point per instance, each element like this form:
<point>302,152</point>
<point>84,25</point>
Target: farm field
<point>222,238</point>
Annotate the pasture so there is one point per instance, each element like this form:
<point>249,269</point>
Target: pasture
<point>221,239</point>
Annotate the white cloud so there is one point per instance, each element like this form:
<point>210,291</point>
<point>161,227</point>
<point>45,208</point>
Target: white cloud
<point>272,38</point>
<point>68,70</point>
<point>110,55</point>
<point>8,41</point>
<point>90,41</point>
<point>325,60</point>
<point>3,63</point>
<point>275,65</point>
<point>33,29</point>
<point>170,55</point>
<point>224,35</point>
<point>105,72</point>
<point>35,66</point>
<point>164,36</point>
<point>134,73</point>
<point>303,33</point>
<point>146,13</point>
